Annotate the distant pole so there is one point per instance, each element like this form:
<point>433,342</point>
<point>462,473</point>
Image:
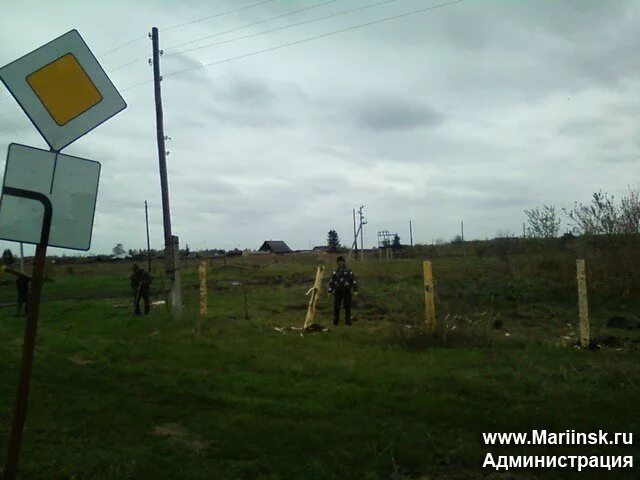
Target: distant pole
<point>146,216</point>
<point>462,236</point>
<point>410,233</point>
<point>362,223</point>
<point>172,264</point>
<point>355,234</point>
<point>21,258</point>
<point>583,304</point>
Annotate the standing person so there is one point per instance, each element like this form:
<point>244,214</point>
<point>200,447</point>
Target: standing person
<point>340,284</point>
<point>22,285</point>
<point>140,284</point>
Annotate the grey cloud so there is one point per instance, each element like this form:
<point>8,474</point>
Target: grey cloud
<point>252,119</point>
<point>391,114</point>
<point>586,126</point>
<point>248,91</point>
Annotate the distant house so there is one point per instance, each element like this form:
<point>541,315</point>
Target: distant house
<point>275,246</point>
<point>320,248</point>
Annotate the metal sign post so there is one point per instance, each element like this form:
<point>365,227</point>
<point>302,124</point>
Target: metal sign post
<point>28,347</point>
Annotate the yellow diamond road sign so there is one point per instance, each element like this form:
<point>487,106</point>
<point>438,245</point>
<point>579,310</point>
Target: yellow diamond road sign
<point>63,89</point>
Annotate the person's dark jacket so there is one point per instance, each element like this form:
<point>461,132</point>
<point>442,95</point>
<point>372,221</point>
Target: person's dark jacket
<point>140,280</point>
<point>343,279</point>
<point>22,282</point>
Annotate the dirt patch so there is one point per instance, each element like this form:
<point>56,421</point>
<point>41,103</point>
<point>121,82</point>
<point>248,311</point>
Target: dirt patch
<point>179,434</point>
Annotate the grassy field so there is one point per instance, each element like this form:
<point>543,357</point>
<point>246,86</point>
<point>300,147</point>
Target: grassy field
<point>224,397</point>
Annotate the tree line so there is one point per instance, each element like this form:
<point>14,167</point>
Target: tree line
<point>604,215</point>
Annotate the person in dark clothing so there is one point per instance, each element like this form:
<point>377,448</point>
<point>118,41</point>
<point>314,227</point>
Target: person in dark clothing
<point>140,284</point>
<point>22,285</point>
<point>342,281</point>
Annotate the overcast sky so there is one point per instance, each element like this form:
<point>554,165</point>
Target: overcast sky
<point>473,111</point>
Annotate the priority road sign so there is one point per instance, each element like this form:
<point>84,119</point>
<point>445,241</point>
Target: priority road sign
<point>63,89</point>
<point>34,177</point>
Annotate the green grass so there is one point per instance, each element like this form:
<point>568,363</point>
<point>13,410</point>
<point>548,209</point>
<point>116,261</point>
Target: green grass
<point>120,397</point>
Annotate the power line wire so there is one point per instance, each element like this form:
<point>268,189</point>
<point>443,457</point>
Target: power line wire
<point>224,32</point>
<point>190,22</point>
<point>120,67</point>
<point>277,47</point>
<point>125,44</point>
<point>304,22</point>
<point>311,7</point>
<point>304,40</point>
<point>246,7</point>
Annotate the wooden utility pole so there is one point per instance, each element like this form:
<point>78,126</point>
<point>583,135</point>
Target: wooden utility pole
<point>146,218</point>
<point>583,304</point>
<point>410,233</point>
<point>171,246</point>
<point>462,236</point>
<point>429,294</point>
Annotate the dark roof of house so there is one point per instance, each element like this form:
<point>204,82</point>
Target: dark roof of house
<point>275,246</point>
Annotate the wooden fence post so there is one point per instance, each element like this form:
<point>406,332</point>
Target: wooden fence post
<point>315,295</point>
<point>583,303</point>
<point>429,294</point>
<point>203,288</point>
